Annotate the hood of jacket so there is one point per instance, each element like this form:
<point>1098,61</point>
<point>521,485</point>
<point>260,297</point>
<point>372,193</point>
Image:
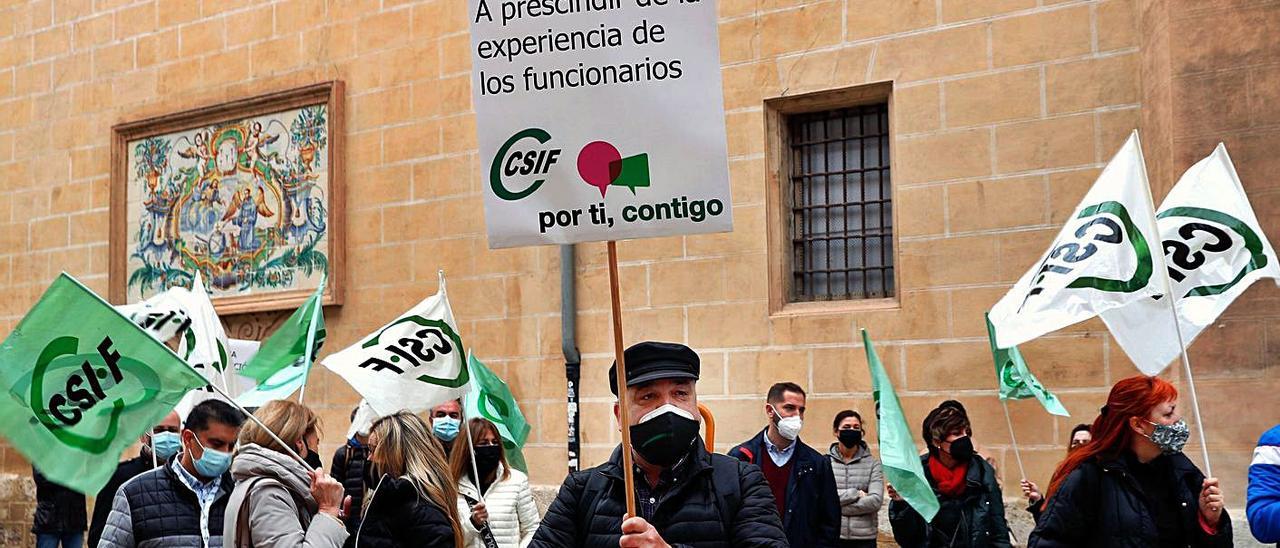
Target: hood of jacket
<point>253,461</point>
<point>863,452</point>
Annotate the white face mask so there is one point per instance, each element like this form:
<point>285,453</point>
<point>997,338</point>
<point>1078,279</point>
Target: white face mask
<point>788,427</point>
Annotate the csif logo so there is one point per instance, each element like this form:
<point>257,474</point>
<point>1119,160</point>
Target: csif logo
<point>522,157</point>
<point>1200,231</point>
<point>1104,224</point>
<point>68,388</point>
<point>414,341</point>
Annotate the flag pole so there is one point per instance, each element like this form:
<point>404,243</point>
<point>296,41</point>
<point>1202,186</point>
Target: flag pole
<point>1191,382</point>
<point>311,340</point>
<point>155,462</point>
<point>1016,452</point>
<point>624,414</point>
<point>1177,328</point>
<point>475,469</point>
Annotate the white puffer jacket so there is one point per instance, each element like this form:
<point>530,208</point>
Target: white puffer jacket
<point>513,516</point>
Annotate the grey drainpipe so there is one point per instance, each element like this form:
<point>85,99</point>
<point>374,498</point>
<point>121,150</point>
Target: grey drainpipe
<point>569,346</point>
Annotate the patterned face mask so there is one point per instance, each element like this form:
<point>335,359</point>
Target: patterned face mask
<point>1170,438</point>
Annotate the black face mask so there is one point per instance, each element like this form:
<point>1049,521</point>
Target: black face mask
<point>962,449</point>
<point>313,459</point>
<point>850,438</point>
<point>664,439</point>
<point>487,459</point>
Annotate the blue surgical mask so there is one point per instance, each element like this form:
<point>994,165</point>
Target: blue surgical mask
<point>165,444</point>
<point>212,464</point>
<point>445,428</point>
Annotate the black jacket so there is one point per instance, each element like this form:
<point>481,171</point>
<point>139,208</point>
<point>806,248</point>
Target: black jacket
<point>59,510</point>
<point>348,468</point>
<point>398,517</point>
<point>125,471</point>
<point>812,519</point>
<point>979,513</point>
<point>687,516</point>
<point>1101,505</point>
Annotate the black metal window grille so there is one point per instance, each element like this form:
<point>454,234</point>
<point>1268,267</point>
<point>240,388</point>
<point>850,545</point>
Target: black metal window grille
<point>841,212</point>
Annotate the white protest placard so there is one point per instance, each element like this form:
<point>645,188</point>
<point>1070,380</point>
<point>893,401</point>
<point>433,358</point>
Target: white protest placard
<point>599,119</point>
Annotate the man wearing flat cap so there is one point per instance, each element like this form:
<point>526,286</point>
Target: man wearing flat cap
<point>685,495</point>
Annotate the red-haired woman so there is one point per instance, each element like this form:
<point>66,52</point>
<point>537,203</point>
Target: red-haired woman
<point>1132,486</point>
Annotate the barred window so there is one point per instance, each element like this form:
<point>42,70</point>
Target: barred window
<point>841,218</point>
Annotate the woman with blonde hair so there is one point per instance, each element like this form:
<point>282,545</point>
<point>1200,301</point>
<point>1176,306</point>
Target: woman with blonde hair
<point>500,504</point>
<point>412,500</point>
<point>279,502</point>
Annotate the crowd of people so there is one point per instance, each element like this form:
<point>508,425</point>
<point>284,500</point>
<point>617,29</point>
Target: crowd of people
<point>220,478</point>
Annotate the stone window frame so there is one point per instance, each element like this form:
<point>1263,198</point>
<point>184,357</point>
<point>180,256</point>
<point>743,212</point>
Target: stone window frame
<point>777,111</point>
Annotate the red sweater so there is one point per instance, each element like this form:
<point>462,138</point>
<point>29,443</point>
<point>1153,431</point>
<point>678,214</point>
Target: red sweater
<point>778,478</point>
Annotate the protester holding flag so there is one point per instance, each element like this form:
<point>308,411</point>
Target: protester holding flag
<point>166,441</point>
<point>446,422</point>
<point>498,507</point>
<point>971,506</point>
<point>686,496</point>
<point>180,504</point>
<point>348,466</point>
<point>859,482</point>
<point>1035,500</point>
<point>278,502</point>
<point>1132,486</point>
<point>60,514</point>
<point>798,475</point>
<point>413,499</point>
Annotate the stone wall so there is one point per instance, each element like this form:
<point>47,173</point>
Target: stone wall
<point>1003,113</point>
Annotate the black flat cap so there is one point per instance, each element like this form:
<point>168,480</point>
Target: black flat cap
<point>650,361</point>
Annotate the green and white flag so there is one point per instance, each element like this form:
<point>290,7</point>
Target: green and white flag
<point>491,398</point>
<point>898,453</point>
<point>287,354</point>
<point>1101,259</point>
<point>413,363</point>
<point>84,382</point>
<point>1214,250</point>
<point>1015,379</point>
<point>205,345</point>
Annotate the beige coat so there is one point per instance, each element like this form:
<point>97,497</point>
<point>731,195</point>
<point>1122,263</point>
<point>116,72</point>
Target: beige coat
<point>275,519</point>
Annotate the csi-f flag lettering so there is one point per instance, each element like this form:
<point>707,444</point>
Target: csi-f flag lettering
<point>1101,259</point>
<point>1214,250</point>
<point>83,383</point>
<point>413,363</point>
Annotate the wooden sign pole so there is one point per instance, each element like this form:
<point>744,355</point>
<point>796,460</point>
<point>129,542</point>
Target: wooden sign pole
<point>624,413</point>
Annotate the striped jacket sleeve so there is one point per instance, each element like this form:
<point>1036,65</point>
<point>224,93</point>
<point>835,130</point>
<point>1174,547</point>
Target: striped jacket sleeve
<point>1263,506</point>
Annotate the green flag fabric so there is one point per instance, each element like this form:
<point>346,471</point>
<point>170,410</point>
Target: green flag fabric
<point>1015,379</point>
<point>898,453</point>
<point>287,347</point>
<point>490,398</point>
<point>84,382</point>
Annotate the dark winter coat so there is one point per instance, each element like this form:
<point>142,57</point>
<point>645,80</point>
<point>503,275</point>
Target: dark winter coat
<point>812,518</point>
<point>1101,505</point>
<point>59,510</point>
<point>157,509</point>
<point>125,471</point>
<point>687,516</point>
<point>398,517</point>
<point>348,468</point>
<point>979,512</point>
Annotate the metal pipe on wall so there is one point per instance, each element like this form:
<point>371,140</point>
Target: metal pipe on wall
<point>569,347</point>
